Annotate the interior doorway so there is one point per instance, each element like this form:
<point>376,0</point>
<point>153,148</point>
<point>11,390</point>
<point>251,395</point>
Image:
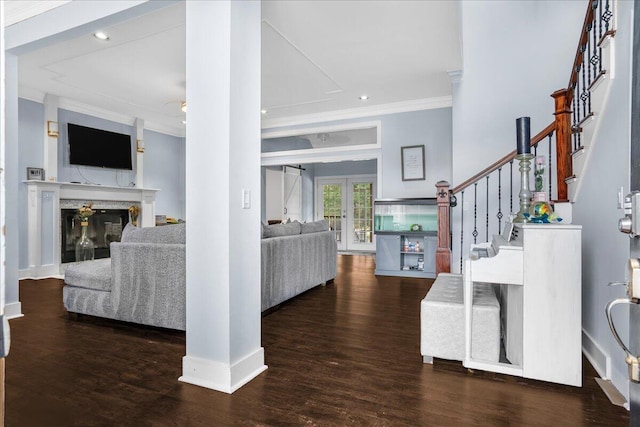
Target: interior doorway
<point>283,194</point>
<point>347,204</point>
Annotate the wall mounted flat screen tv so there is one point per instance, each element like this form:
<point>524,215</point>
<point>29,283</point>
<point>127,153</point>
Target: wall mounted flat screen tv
<point>96,147</point>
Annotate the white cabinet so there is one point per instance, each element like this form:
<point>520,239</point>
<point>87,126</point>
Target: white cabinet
<point>539,278</point>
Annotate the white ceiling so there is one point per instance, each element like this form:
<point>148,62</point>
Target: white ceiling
<point>317,57</point>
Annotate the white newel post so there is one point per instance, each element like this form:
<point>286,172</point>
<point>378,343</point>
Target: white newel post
<point>222,164</point>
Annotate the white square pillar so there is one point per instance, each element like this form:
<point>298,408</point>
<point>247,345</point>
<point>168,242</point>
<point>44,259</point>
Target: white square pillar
<point>222,163</point>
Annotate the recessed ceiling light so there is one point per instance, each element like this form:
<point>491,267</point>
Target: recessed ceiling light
<point>184,122</point>
<point>100,35</point>
<point>364,97</point>
<point>263,111</point>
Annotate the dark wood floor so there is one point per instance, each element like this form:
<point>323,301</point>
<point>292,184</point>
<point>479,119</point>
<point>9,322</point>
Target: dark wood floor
<point>344,354</point>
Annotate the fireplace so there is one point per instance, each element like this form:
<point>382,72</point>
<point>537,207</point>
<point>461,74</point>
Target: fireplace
<point>105,226</point>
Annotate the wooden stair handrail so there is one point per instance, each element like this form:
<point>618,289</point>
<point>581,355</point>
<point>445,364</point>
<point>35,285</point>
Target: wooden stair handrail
<point>503,161</point>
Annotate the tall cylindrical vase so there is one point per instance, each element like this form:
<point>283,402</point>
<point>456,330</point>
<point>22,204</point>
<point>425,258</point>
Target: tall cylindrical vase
<point>85,249</point>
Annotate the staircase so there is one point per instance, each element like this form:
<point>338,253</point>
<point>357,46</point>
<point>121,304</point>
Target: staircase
<point>590,83</point>
<point>476,209</point>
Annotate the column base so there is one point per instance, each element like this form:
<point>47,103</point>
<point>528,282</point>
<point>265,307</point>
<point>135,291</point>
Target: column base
<point>221,376</point>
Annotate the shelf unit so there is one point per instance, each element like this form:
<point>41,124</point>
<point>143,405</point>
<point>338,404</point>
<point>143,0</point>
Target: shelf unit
<point>393,260</point>
<point>394,218</point>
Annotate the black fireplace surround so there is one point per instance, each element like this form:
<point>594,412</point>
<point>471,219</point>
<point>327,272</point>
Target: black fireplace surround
<point>105,226</point>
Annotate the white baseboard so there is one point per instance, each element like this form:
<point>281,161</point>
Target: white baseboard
<point>222,376</point>
<point>600,361</point>
<point>13,310</point>
<point>42,272</point>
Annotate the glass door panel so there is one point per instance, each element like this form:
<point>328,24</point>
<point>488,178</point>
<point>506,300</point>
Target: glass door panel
<point>360,215</point>
<point>347,204</point>
<point>331,208</point>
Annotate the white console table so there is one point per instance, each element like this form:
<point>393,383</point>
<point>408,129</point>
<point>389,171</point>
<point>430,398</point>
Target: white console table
<point>43,213</point>
<point>539,274</point>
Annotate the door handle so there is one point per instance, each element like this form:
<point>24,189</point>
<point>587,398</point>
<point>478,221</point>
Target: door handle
<point>632,361</point>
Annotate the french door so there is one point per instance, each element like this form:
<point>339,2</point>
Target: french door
<point>347,204</point>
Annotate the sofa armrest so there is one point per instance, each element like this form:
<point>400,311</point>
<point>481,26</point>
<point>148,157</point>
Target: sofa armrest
<point>148,283</point>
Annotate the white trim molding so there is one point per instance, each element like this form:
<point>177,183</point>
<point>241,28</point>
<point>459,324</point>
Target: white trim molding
<point>600,361</point>
<point>220,376</point>
<point>353,113</point>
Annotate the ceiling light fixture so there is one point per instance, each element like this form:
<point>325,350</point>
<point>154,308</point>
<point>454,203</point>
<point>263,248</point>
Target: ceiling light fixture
<point>364,97</point>
<point>183,106</point>
<point>101,36</point>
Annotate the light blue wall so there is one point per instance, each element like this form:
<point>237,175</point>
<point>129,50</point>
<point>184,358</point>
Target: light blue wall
<point>605,251</point>
<point>91,174</point>
<point>30,154</point>
<point>164,162</point>
<point>164,169</point>
<point>431,128</point>
<point>515,55</point>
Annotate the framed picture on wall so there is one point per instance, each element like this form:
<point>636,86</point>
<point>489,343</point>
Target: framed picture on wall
<point>413,163</point>
<point>35,174</point>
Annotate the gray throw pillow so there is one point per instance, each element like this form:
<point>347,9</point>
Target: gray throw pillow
<point>172,233</point>
<point>314,227</point>
<point>278,230</point>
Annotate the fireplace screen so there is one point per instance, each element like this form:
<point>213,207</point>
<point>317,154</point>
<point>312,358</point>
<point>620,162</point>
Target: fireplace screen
<point>105,226</point>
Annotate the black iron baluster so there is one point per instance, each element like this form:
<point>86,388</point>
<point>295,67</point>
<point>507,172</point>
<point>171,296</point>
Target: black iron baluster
<point>585,90</point>
<point>606,16</point>
<point>587,59</point>
<point>461,228</point>
<point>599,15</point>
<point>576,116</point>
<point>577,96</point>
<point>487,213</point>
<point>595,59</point>
<point>499,214</point>
<point>475,213</point>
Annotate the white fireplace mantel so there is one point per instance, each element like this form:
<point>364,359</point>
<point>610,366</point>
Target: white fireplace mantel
<point>43,213</point>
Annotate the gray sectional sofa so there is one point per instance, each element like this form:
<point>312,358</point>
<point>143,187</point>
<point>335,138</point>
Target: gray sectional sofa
<point>144,280</point>
<point>295,258</point>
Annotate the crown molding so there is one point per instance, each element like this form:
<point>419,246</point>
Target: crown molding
<point>36,95</point>
<point>455,76</point>
<point>353,113</point>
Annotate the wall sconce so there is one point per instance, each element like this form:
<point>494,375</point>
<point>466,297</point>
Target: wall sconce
<point>140,145</point>
<point>52,128</point>
<point>183,106</point>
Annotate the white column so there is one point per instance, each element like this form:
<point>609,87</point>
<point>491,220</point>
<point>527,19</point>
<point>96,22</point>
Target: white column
<point>11,172</point>
<point>2,161</point>
<point>51,103</point>
<point>223,161</point>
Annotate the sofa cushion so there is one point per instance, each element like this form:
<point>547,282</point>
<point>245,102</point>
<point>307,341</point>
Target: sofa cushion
<point>278,230</point>
<point>172,233</point>
<point>314,227</point>
<point>94,274</point>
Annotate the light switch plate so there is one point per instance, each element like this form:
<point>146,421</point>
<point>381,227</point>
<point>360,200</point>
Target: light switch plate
<point>246,199</point>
